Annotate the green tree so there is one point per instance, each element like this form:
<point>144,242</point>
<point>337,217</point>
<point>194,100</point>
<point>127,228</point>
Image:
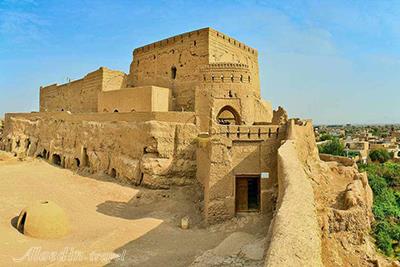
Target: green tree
<point>335,147</point>
<point>380,155</point>
<point>383,179</point>
<point>325,137</point>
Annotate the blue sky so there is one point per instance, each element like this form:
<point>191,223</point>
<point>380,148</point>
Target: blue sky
<point>332,61</point>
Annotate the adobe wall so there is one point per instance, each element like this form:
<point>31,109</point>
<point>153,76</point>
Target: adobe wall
<point>151,153</point>
<point>342,160</point>
<point>178,117</point>
<point>225,49</point>
<point>142,99</point>
<point>295,238</point>
<point>230,84</point>
<point>80,96</point>
<point>229,153</point>
<point>151,65</point>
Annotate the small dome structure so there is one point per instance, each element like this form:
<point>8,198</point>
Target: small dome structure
<point>43,219</point>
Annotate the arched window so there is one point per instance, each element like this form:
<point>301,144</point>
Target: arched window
<point>115,110</point>
<point>173,72</point>
<point>228,116</point>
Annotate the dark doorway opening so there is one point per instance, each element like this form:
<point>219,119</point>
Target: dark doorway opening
<point>77,162</point>
<point>248,193</point>
<point>56,159</point>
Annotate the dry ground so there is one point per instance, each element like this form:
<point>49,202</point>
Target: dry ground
<point>107,217</point>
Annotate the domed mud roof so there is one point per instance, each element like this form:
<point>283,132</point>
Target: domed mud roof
<point>43,219</point>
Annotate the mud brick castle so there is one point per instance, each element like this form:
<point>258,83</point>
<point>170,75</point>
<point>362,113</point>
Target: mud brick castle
<point>189,110</point>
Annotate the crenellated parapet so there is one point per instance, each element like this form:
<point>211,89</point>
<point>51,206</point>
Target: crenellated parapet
<point>232,41</point>
<point>190,36</point>
<point>171,41</point>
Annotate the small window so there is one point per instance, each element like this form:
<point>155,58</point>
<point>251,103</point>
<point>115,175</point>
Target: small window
<point>231,77</point>
<point>212,77</point>
<point>194,43</point>
<point>137,64</point>
<point>249,78</point>
<point>204,77</point>
<point>115,110</point>
<point>222,78</point>
<point>241,78</point>
<point>173,73</point>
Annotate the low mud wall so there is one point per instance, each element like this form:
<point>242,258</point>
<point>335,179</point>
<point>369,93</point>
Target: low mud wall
<point>152,153</point>
<point>294,232</point>
<point>341,160</point>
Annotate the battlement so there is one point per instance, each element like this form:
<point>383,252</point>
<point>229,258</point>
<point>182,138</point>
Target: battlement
<point>168,41</point>
<point>81,95</point>
<point>233,41</point>
<point>188,35</point>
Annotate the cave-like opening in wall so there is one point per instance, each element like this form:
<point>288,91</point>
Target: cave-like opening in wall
<point>56,159</point>
<point>228,116</point>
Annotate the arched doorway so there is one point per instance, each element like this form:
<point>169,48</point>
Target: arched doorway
<point>228,116</point>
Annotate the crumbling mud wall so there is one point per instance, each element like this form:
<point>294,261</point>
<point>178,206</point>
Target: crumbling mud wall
<point>294,233</point>
<point>339,159</point>
<point>147,152</point>
<point>324,213</point>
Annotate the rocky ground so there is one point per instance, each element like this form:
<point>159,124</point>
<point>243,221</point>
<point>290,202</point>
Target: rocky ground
<point>344,206</point>
<point>140,224</point>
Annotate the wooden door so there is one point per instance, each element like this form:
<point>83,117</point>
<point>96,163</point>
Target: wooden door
<point>241,194</point>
